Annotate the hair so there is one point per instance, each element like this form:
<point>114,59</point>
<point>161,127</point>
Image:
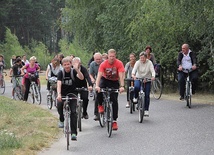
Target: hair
<point>57,61</point>
<point>143,54</point>
<point>1,56</point>
<point>66,59</point>
<point>18,60</point>
<point>32,58</point>
<point>111,51</point>
<point>148,47</point>
<point>97,54</point>
<point>132,54</point>
<point>76,58</point>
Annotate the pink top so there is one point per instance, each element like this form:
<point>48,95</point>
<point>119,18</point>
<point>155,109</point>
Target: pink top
<point>31,70</point>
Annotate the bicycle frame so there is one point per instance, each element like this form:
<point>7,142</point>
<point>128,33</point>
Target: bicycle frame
<point>188,88</point>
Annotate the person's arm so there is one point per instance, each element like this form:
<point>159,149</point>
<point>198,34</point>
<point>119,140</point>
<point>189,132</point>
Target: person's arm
<point>134,70</point>
<point>99,75</point>
<point>152,70</point>
<point>22,70</point>
<point>59,86</point>
<point>179,59</point>
<point>47,71</point>
<point>194,61</point>
<point>154,60</point>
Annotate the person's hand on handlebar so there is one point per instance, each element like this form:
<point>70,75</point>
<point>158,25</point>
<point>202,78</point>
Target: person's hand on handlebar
<point>97,88</point>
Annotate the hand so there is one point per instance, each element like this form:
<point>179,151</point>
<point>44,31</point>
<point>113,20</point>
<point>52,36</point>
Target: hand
<point>75,65</point>
<point>180,68</point>
<point>121,89</point>
<point>194,67</point>
<point>153,78</point>
<point>134,77</point>
<point>90,88</point>
<point>92,80</point>
<point>59,98</point>
<point>97,89</point>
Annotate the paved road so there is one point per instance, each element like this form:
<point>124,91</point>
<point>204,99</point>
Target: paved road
<point>171,128</point>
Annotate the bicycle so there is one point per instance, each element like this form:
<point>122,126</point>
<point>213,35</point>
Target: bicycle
<point>141,99</point>
<point>18,91</point>
<point>188,88</point>
<point>156,88</point>
<point>2,82</point>
<point>34,89</point>
<point>51,97</point>
<point>79,107</point>
<point>107,116</point>
<point>67,113</point>
<point>131,91</point>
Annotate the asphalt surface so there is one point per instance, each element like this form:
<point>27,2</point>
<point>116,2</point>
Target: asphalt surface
<point>171,129</point>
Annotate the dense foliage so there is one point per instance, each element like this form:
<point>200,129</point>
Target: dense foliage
<point>127,26</point>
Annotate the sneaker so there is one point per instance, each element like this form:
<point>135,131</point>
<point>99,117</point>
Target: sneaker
<point>13,98</point>
<point>181,98</point>
<point>100,109</point>
<point>146,113</point>
<point>61,124</point>
<point>85,116</point>
<point>135,100</point>
<point>96,118</point>
<point>74,137</point>
<point>127,105</point>
<point>48,94</point>
<point>114,126</point>
<point>91,94</point>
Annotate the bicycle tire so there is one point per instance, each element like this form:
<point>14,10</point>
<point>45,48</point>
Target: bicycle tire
<point>32,94</point>
<point>109,122</point>
<point>79,116</point>
<point>37,96</point>
<point>49,101</point>
<point>54,96</point>
<point>66,128</point>
<point>188,96</point>
<point>157,89</point>
<point>131,106</point>
<point>18,93</point>
<point>2,87</point>
<point>141,109</point>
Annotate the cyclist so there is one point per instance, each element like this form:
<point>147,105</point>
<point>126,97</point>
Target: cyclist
<point>186,60</point>
<point>2,66</point>
<point>128,68</point>
<point>12,60</point>
<point>24,60</point>
<point>143,68</point>
<point>16,70</point>
<point>32,68</point>
<point>93,70</point>
<point>52,70</point>
<point>83,83</point>
<point>66,85</point>
<point>150,55</point>
<point>104,56</point>
<point>110,72</point>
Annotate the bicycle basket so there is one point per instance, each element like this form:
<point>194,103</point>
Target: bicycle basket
<point>53,82</point>
<point>33,77</point>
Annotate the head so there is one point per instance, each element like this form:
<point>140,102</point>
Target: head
<point>132,57</point>
<point>185,48</point>
<point>148,49</point>
<point>66,63</point>
<point>143,57</point>
<point>104,56</point>
<point>13,57</point>
<point>98,58</point>
<point>24,57</point>
<point>76,60</point>
<point>1,57</point>
<point>55,62</point>
<point>18,61</point>
<point>72,56</point>
<point>60,56</point>
<point>111,56</point>
<point>18,57</point>
<point>32,60</point>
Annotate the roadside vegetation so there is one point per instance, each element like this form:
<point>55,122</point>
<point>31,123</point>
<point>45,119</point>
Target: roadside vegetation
<point>25,128</point>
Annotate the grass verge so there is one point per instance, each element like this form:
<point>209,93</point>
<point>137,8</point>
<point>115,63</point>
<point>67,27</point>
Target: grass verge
<point>25,128</point>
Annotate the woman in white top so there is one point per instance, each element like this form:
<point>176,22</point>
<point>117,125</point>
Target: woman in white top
<point>52,70</point>
<point>143,68</point>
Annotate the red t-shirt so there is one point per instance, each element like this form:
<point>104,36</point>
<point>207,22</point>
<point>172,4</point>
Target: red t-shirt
<point>111,71</point>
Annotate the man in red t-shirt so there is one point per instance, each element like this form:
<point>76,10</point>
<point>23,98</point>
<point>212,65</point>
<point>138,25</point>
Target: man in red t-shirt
<point>111,75</point>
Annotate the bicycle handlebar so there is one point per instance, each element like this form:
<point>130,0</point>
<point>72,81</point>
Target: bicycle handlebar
<point>187,70</point>
<point>81,89</point>
<point>103,90</point>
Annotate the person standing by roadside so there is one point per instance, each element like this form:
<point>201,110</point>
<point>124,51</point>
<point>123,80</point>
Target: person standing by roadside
<point>24,60</point>
<point>111,75</point>
<point>93,71</point>
<point>186,60</point>
<point>128,68</point>
<point>65,85</point>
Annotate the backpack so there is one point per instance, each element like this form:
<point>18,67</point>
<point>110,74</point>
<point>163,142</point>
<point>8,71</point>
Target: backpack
<point>72,74</point>
<point>51,70</point>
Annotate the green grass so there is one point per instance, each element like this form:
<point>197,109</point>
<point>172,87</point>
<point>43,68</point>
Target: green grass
<point>25,128</point>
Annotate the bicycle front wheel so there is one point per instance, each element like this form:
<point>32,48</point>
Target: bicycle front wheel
<point>141,109</point>
<point>2,86</point>
<point>67,127</point>
<point>79,116</point>
<point>18,93</point>
<point>109,122</point>
<point>188,96</point>
<point>31,94</point>
<point>37,93</point>
<point>49,101</point>
<point>157,89</point>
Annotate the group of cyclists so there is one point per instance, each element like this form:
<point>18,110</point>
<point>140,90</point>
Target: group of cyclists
<point>105,70</point>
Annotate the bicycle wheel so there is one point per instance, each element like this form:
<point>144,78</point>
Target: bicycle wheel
<point>131,106</point>
<point>54,96</point>
<point>141,109</point>
<point>188,96</point>
<point>2,86</point>
<point>18,93</point>
<point>109,112</point>
<point>31,94</point>
<point>79,116</point>
<point>67,126</point>
<point>157,89</point>
<point>49,101</point>
<point>38,97</point>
